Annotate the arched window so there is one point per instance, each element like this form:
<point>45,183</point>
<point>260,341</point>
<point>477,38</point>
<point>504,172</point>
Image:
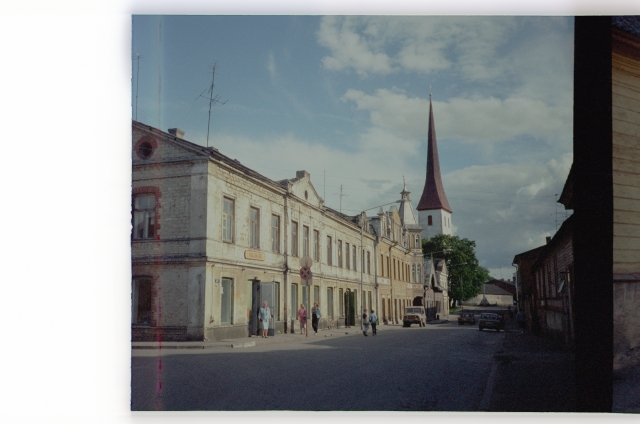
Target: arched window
<point>430,220</point>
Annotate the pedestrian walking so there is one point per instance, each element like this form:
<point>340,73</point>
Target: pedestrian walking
<point>302,316</point>
<point>365,323</point>
<point>373,319</point>
<point>315,316</point>
<point>265,317</point>
<point>522,320</point>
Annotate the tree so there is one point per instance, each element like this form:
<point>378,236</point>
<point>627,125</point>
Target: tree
<point>465,275</point>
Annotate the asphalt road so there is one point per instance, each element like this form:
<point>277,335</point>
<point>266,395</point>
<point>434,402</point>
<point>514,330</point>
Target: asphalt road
<point>442,367</point>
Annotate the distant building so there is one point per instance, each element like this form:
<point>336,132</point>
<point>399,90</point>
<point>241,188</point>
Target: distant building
<point>526,285</point>
<point>508,286</point>
<point>433,209</point>
<point>491,295</point>
<point>436,288</point>
<point>399,259</point>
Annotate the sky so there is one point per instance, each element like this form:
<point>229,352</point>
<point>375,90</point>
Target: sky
<point>347,99</point>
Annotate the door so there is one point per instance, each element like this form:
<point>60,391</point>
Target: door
<point>350,308</point>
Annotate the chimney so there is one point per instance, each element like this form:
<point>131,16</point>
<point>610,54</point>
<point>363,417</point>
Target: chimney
<point>176,132</point>
<point>302,174</point>
<point>548,239</point>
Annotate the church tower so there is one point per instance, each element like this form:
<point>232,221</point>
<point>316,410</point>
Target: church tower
<point>434,212</point>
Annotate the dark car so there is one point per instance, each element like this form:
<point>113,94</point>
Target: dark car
<point>466,318</point>
<point>491,321</point>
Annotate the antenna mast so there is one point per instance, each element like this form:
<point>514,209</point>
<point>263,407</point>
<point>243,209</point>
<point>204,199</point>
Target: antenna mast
<point>212,99</point>
<point>341,196</point>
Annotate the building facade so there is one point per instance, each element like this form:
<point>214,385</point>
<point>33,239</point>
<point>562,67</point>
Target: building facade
<point>625,88</point>
<point>207,230</point>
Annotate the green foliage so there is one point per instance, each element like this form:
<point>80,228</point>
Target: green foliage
<point>466,276</point>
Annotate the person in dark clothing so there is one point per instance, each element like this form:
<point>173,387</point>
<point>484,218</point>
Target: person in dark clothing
<point>365,323</point>
<point>315,315</point>
<point>373,319</point>
<point>522,320</point>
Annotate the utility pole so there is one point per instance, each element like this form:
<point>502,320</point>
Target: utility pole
<point>212,99</point>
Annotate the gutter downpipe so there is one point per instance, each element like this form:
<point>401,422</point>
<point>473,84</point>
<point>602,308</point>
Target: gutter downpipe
<point>361,275</point>
<point>286,262</point>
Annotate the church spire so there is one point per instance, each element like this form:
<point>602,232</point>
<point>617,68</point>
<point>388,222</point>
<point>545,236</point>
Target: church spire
<point>433,196</point>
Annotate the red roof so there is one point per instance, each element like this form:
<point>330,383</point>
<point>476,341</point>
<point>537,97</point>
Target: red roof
<point>433,196</point>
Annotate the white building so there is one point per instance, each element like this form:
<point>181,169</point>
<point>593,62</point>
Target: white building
<point>206,229</point>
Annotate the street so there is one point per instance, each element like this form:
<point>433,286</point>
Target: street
<point>443,367</point>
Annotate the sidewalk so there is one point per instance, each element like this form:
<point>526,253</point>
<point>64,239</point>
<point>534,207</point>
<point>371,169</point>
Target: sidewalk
<point>532,375</point>
<point>260,341</point>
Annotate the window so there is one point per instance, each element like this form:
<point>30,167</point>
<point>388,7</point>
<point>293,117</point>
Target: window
<point>430,220</point>
<point>413,273</point>
<point>340,253</point>
<point>294,238</point>
<point>340,302</point>
<point>382,264</point>
<point>368,262</point>
<point>316,294</point>
<point>347,254</point>
<point>330,302</point>
<point>226,301</point>
<point>353,250</point>
<point>305,241</point>
<point>144,217</point>
<point>417,241</point>
<point>254,228</point>
<point>142,306</point>
<point>294,299</point>
<point>227,220</point>
<point>275,233</point>
<point>329,252</point>
<point>418,276</point>
<point>388,267</point>
<point>316,245</point>
<point>369,300</point>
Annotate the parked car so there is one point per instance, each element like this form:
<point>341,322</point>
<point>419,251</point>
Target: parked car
<point>466,318</point>
<point>414,315</point>
<point>494,321</point>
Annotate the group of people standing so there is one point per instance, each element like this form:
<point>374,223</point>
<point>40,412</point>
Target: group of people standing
<point>316,314</point>
<point>265,315</point>
<point>372,319</point>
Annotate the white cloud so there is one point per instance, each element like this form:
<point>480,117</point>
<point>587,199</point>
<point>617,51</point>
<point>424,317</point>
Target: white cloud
<point>468,120</point>
<point>508,208</point>
<point>422,44</point>
<point>350,50</point>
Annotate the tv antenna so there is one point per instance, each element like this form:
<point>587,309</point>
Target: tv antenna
<point>341,196</point>
<point>213,99</point>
